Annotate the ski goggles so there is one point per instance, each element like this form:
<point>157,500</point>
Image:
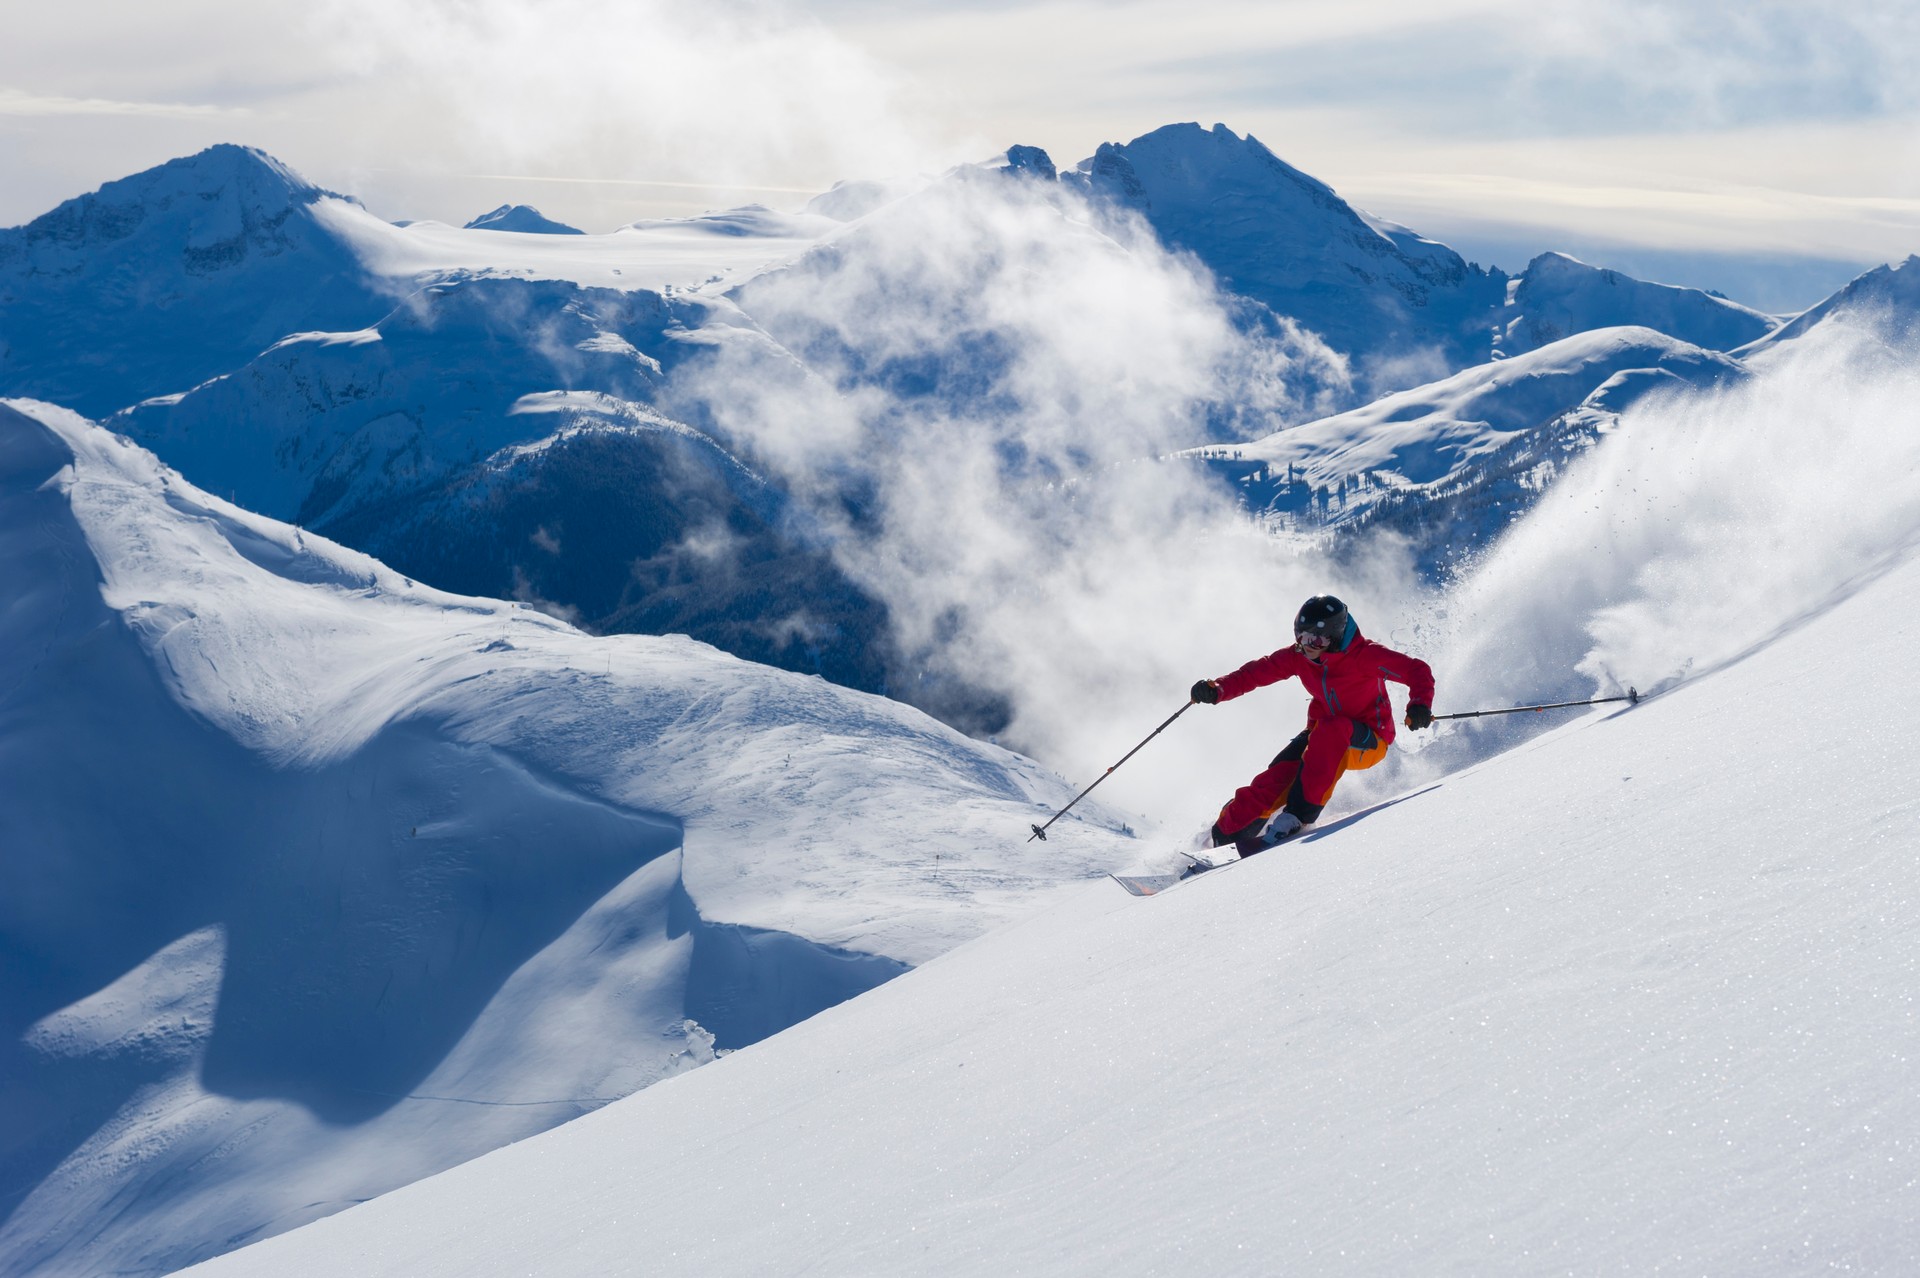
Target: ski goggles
<point>1311,642</point>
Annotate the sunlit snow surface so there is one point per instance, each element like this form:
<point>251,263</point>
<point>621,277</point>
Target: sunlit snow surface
<point>1639,998</point>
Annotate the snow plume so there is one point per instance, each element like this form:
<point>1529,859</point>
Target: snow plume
<point>731,93</point>
<point>969,392</point>
<point>1703,526</point>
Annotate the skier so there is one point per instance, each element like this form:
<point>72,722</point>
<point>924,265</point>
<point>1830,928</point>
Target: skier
<point>1349,723</point>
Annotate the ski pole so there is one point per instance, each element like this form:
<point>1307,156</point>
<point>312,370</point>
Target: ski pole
<point>1633,695</point>
<point>1040,831</point>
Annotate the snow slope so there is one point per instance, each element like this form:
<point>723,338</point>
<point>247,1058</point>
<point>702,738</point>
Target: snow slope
<point>1601,1005</point>
<point>319,880</point>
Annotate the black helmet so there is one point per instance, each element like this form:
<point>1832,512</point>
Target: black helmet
<point>1323,617</point>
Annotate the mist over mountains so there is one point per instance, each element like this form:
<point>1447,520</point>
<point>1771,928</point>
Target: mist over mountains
<point>462,421</point>
<point>384,803</point>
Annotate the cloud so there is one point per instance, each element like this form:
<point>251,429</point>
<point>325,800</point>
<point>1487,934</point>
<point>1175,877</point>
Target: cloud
<point>971,394</point>
<point>1614,190</point>
<point>1702,63</point>
<point>16,102</point>
<point>525,592</point>
<point>736,91</point>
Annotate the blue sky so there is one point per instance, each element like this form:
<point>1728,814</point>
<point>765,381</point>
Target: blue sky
<point>1708,143</point>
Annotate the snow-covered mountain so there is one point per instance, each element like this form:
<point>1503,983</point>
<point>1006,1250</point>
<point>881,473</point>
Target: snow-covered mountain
<point>320,425</point>
<point>1450,465</point>
<point>1402,307</point>
<point>1887,296</point>
<point>1557,296</point>
<point>498,436</point>
<point>1594,1006</point>
<point>403,387</point>
<point>319,880</point>
<point>480,414</point>
<point>156,282</point>
<point>160,281</point>
<point>522,218</point>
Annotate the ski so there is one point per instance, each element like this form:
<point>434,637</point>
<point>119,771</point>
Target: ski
<point>1154,884</point>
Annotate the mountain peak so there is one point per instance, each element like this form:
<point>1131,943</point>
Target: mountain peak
<point>1559,294</point>
<point>1030,160</point>
<point>1378,293</point>
<point>1887,293</point>
<point>170,276</point>
<point>523,218</point>
<point>222,189</point>
<point>1203,157</point>
<point>1894,284</point>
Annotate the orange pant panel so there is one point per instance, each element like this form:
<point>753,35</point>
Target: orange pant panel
<point>1317,759</point>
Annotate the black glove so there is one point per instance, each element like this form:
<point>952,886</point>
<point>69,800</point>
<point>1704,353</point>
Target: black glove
<point>1206,692</point>
<point>1418,717</point>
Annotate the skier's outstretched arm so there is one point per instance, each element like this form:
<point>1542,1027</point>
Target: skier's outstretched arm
<point>1258,673</point>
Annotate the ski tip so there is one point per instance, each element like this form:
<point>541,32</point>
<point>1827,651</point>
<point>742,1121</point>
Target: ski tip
<point>1146,884</point>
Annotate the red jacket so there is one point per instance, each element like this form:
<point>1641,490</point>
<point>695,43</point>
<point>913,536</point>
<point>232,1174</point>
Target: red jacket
<point>1349,684</point>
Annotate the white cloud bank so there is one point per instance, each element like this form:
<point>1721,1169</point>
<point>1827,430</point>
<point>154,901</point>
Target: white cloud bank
<point>17,103</point>
<point>737,93</point>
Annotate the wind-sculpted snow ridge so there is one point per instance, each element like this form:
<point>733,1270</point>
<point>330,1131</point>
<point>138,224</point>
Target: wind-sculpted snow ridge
<point>1636,999</point>
<point>320,880</point>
